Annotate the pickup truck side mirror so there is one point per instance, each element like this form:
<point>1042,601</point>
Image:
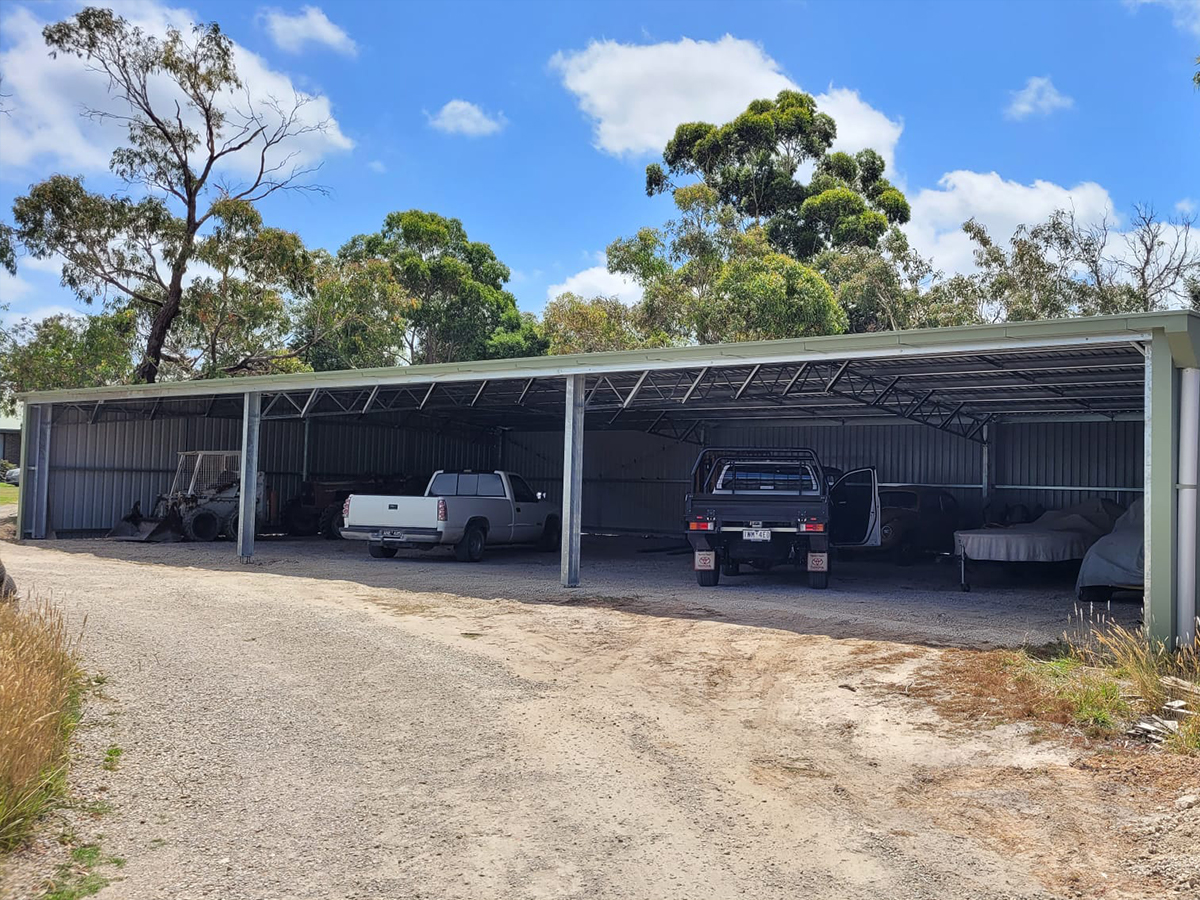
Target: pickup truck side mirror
<point>541,495</point>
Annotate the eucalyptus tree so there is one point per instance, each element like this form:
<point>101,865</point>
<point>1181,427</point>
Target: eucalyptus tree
<point>753,165</point>
<point>190,125</point>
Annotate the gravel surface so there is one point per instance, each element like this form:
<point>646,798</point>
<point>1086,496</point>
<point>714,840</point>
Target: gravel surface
<point>321,725</point>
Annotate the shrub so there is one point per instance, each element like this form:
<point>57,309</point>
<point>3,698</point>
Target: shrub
<point>39,707</point>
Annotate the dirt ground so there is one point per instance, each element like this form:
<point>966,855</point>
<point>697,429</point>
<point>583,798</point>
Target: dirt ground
<point>318,724</point>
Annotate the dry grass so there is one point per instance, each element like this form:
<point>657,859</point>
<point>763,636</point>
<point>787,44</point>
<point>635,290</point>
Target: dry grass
<point>1155,673</point>
<point>1099,683</point>
<point>39,703</point>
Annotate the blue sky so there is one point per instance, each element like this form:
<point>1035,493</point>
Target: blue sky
<point>533,122</point>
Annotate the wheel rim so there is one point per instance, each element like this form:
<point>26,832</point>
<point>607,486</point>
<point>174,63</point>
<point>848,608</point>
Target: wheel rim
<point>476,543</point>
<point>206,526</point>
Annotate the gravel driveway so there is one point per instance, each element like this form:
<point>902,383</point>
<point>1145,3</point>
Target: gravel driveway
<point>327,726</point>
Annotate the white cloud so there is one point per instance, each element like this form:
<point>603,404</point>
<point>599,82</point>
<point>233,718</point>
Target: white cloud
<point>37,313</point>
<point>13,287</point>
<point>1185,14</point>
<point>1000,205</point>
<point>1186,206</point>
<point>637,94</point>
<point>462,117</point>
<point>45,129</point>
<point>377,166</point>
<point>860,125</point>
<point>1038,97</point>
<point>310,26</point>
<point>597,281</point>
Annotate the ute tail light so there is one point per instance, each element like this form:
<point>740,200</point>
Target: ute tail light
<point>811,526</point>
<point>703,525</point>
<point>441,510</point>
<point>346,507</point>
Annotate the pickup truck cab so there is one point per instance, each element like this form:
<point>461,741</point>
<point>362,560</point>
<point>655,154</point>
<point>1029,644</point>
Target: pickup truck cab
<point>463,510</point>
<point>771,506</point>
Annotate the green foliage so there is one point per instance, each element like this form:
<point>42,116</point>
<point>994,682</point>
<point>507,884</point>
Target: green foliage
<point>1061,268</point>
<point>238,320</point>
<point>750,165</point>
<point>572,324</point>
<point>457,305</point>
<point>67,351</point>
<point>891,288</point>
<point>8,250</point>
<point>707,280</point>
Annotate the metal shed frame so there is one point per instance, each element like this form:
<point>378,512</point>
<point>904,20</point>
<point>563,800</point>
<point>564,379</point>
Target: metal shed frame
<point>957,380</point>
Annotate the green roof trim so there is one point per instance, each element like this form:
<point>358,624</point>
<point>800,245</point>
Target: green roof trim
<point>1182,328</point>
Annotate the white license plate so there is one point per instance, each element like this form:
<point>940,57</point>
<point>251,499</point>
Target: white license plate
<point>756,534</point>
<point>818,562</point>
<point>706,560</point>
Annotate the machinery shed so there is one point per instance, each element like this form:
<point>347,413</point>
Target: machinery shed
<point>1039,413</point>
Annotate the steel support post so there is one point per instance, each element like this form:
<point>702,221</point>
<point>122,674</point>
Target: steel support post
<point>304,459</point>
<point>39,497</point>
<point>27,447</point>
<point>1162,428</point>
<point>248,496</point>
<point>1188,604</point>
<point>572,507</point>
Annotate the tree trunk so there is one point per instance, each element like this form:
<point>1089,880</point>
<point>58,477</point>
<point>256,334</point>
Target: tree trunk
<point>148,371</point>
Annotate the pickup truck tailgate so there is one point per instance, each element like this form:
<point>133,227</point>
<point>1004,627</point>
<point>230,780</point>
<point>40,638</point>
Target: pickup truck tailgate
<point>369,510</point>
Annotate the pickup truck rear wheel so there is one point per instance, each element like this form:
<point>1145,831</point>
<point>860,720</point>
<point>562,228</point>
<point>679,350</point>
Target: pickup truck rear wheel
<point>470,547</point>
<point>378,551</point>
<point>708,577</point>
<point>819,580</point>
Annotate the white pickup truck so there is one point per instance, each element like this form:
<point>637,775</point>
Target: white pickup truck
<point>463,510</point>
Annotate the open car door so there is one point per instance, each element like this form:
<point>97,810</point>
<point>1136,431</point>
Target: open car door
<point>854,510</point>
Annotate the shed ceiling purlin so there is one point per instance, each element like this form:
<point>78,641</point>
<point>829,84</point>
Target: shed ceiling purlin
<point>954,379</point>
<point>957,393</point>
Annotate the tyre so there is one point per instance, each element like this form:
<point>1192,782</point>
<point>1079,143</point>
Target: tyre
<point>300,520</point>
<point>229,529</point>
<point>1095,594</point>
<point>378,551</point>
<point>470,548</point>
<point>201,524</point>
<point>8,589</point>
<point>708,577</point>
<point>731,568</point>
<point>331,522</point>
<point>818,580</point>
<point>551,536</point>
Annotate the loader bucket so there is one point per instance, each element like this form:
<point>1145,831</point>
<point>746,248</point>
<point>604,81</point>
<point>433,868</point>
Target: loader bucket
<point>133,526</point>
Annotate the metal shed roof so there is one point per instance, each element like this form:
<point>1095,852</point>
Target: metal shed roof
<point>955,379</point>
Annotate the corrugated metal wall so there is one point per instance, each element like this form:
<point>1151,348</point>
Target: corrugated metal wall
<point>98,471</point>
<point>632,481</point>
<point>1097,454</point>
<point>637,482</point>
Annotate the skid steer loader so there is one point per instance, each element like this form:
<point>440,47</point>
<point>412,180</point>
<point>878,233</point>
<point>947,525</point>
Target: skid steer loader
<point>201,505</point>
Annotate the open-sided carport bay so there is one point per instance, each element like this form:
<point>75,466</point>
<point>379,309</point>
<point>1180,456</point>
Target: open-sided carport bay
<point>1039,415</point>
<point>867,597</point>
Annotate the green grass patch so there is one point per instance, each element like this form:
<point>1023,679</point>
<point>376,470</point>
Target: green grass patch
<point>112,756</point>
<point>8,494</point>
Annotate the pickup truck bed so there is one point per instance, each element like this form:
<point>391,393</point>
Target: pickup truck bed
<point>766,507</point>
<point>462,510</point>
